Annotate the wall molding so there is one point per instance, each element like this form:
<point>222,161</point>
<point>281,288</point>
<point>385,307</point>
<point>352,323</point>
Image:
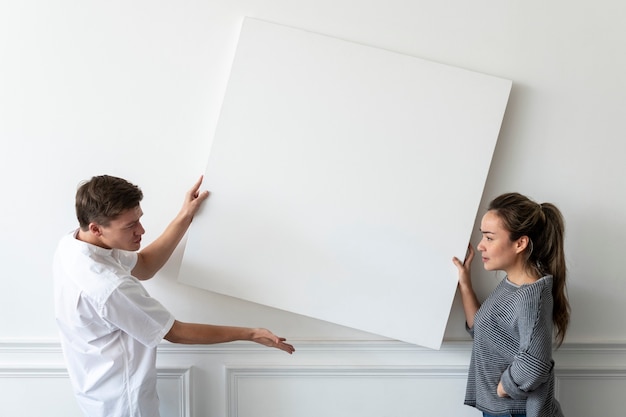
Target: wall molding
<point>33,372</point>
<point>179,376</point>
<point>239,372</point>
<point>235,375</point>
<point>182,379</point>
<point>605,354</point>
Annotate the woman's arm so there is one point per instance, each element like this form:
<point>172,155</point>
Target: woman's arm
<point>533,365</point>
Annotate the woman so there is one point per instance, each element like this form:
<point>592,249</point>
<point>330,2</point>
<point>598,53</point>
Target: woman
<point>511,371</point>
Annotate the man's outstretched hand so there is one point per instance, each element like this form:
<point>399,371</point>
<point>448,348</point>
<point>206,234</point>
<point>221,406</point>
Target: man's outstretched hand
<point>269,339</point>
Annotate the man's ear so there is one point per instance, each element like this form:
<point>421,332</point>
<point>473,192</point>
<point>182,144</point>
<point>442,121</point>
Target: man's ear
<point>95,229</point>
<point>521,244</point>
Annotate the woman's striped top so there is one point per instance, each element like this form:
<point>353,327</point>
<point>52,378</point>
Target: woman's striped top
<point>513,342</point>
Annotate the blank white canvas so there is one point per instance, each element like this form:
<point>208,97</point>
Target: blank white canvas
<point>343,180</point>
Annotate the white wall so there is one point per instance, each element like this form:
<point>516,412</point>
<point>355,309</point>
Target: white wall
<point>332,378</point>
<point>134,89</point>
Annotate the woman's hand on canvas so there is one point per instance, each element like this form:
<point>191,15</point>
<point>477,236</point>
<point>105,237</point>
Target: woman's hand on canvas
<point>465,267</point>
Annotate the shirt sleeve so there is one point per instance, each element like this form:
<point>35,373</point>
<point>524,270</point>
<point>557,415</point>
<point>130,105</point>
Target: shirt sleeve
<point>533,364</point>
<point>131,309</point>
<point>127,258</point>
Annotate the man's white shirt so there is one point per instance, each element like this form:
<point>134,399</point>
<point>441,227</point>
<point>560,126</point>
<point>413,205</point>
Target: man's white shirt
<point>109,327</point>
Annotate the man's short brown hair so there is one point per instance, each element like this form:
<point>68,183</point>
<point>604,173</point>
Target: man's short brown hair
<point>103,198</point>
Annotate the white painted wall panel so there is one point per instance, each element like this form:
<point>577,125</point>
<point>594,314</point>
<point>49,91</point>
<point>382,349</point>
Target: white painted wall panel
<point>343,180</point>
<point>46,390</point>
<point>607,385</point>
<point>363,392</point>
<point>334,379</point>
<point>37,392</point>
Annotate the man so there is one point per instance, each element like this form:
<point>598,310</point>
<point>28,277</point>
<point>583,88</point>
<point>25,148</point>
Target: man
<point>109,325</point>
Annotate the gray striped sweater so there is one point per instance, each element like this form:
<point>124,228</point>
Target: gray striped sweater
<point>513,342</point>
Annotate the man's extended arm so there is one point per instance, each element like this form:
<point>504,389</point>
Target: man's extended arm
<point>194,333</point>
<point>155,255</point>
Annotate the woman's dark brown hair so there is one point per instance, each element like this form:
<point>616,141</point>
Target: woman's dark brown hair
<point>545,255</point>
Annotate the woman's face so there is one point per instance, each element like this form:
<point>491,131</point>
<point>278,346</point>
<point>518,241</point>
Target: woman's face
<point>497,250</point>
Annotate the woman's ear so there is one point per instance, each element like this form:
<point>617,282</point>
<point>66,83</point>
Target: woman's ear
<point>521,244</point>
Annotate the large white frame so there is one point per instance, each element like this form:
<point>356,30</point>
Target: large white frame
<point>344,178</point>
